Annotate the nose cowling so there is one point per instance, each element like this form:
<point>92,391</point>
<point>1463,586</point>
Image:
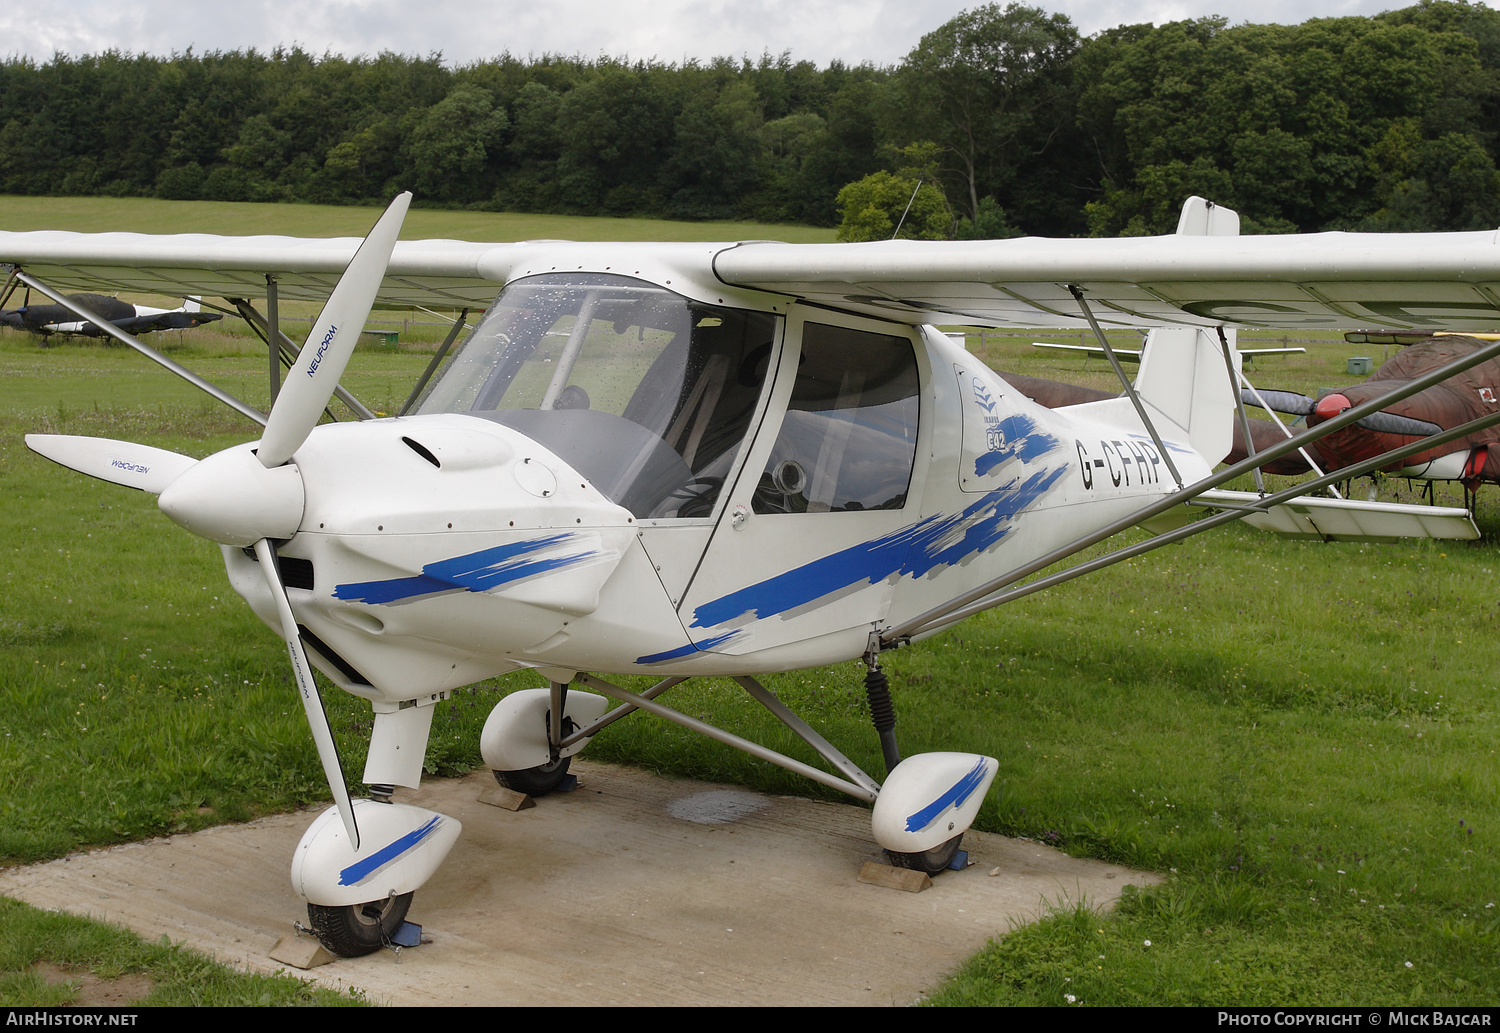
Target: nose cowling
<point>1330,406</point>
<point>232,499</point>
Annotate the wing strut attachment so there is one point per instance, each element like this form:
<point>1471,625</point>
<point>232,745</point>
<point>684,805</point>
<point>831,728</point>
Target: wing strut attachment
<point>1140,410</point>
<point>958,608</point>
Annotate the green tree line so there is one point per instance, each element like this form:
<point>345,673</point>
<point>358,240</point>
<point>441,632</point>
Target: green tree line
<point>1009,119</point>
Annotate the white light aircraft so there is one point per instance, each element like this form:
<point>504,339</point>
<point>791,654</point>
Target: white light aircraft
<point>714,460</point>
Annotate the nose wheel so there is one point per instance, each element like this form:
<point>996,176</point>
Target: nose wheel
<point>354,930</point>
<point>930,861</point>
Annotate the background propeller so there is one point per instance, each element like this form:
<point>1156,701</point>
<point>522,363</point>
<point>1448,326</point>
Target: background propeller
<point>1329,406</point>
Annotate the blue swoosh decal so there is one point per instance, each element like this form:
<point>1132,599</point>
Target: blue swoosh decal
<point>687,650</point>
<point>913,551</point>
<point>474,572</point>
<point>1028,445</point>
<point>364,868</point>
<point>1020,428</point>
<point>987,462</point>
<point>954,797</point>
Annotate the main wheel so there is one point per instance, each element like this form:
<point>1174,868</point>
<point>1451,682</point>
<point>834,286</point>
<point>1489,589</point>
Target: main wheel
<point>930,861</point>
<point>355,930</point>
<point>537,781</point>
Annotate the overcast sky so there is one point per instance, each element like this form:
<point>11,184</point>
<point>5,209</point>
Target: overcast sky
<point>853,31</point>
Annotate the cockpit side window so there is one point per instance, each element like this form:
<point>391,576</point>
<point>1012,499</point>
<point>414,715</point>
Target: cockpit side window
<point>644,392</point>
<point>849,438</point>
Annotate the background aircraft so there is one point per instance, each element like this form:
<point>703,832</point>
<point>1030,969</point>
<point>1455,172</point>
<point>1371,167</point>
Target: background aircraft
<point>133,319</point>
<point>1466,396</point>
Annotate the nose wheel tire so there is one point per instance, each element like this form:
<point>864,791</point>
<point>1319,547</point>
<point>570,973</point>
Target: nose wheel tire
<point>354,930</point>
<point>537,781</point>
<point>930,861</point>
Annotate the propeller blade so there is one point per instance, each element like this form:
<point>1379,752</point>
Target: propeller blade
<point>1332,405</point>
<point>311,381</point>
<point>307,688</point>
<point>1391,423</point>
<point>119,462</point>
<point>1281,401</point>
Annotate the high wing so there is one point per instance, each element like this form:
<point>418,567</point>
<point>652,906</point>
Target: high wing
<point>1309,281</point>
<point>425,272</point>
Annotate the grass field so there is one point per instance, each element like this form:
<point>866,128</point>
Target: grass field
<point>148,215</point>
<point>1301,736</point>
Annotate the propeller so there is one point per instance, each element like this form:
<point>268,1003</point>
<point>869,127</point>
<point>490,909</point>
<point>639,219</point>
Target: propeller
<point>120,462</point>
<point>250,495</point>
<point>1329,406</point>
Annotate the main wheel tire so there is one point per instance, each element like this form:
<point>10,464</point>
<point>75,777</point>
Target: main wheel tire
<point>354,930</point>
<point>537,781</point>
<point>930,861</point>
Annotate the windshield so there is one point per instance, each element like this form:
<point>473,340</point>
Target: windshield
<point>645,393</point>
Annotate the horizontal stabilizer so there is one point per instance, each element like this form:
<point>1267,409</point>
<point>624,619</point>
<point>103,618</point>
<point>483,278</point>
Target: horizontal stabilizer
<point>1333,520</point>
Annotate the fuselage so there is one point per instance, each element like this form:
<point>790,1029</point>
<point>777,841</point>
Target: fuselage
<point>611,476</point>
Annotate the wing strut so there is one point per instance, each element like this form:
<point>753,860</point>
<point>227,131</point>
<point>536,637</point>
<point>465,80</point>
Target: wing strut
<point>946,612</point>
<point>1140,410</point>
<point>273,334</point>
<point>1239,407</point>
<point>161,360</point>
<point>289,351</point>
<point>436,360</point>
<point>10,283</point>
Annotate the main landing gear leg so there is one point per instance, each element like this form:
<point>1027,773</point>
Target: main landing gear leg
<point>882,710</point>
<point>930,800</point>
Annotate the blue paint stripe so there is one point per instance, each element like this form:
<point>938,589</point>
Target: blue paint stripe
<point>363,869</point>
<point>687,650</point>
<point>474,572</point>
<point>987,462</point>
<point>390,591</point>
<point>1021,443</point>
<point>1171,445</point>
<point>913,551</point>
<point>954,797</point>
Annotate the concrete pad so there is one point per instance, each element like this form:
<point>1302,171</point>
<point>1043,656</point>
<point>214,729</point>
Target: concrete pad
<point>632,890</point>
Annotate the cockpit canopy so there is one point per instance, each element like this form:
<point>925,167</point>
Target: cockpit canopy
<point>647,394</point>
